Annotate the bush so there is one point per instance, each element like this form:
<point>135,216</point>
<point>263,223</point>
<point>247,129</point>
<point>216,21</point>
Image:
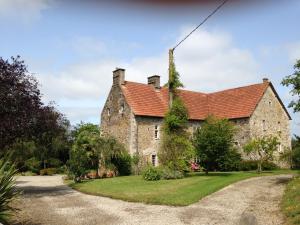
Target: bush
<point>214,144</point>
<point>230,161</point>
<point>61,169</point>
<point>48,171</point>
<point>8,191</point>
<point>248,165</point>
<point>53,162</point>
<point>151,173</point>
<point>269,166</point>
<point>33,165</point>
<point>122,164</point>
<point>169,174</point>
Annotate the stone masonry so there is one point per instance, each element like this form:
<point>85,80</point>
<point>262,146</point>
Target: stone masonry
<point>142,134</point>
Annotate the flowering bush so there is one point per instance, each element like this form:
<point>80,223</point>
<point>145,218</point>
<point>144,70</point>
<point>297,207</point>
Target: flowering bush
<point>195,166</point>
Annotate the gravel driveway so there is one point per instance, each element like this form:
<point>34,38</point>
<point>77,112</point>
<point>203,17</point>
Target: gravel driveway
<point>47,201</point>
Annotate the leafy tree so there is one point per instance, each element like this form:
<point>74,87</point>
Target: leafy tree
<point>87,139</point>
<point>262,149</point>
<point>214,143</point>
<point>292,156</point>
<point>8,191</point>
<point>176,150</point>
<point>96,152</point>
<point>294,81</point>
<point>296,152</point>
<point>51,135</point>
<point>20,101</point>
<point>78,163</point>
<point>28,127</point>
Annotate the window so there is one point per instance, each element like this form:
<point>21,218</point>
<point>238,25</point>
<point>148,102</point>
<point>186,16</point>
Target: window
<point>280,148</point>
<point>108,111</point>
<point>278,126</point>
<point>121,108</point>
<point>236,143</point>
<point>156,132</point>
<point>153,160</point>
<point>270,103</point>
<point>264,125</point>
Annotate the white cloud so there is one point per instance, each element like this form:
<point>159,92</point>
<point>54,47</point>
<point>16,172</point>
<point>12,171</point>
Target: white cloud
<point>24,11</point>
<point>294,51</point>
<point>88,45</point>
<point>207,61</point>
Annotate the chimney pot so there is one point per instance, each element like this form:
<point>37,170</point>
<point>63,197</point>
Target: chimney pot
<point>155,81</point>
<point>118,76</point>
<point>265,80</point>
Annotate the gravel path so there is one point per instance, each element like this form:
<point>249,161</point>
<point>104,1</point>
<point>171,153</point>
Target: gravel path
<point>47,201</point>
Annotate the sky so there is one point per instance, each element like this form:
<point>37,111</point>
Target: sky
<point>72,47</point>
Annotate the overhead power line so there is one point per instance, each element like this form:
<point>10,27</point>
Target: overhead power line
<point>211,14</point>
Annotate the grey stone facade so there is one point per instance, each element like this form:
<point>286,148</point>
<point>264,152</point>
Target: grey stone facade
<point>142,134</point>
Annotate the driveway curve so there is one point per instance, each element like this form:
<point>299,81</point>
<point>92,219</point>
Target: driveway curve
<point>47,201</point>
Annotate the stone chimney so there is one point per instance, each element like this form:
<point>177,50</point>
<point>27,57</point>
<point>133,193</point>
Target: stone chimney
<point>118,76</point>
<point>155,81</point>
<point>265,80</point>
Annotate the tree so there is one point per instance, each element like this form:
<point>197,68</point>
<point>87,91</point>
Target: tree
<point>28,127</point>
<point>292,156</point>
<point>20,101</point>
<point>176,150</point>
<point>51,135</point>
<point>294,81</point>
<point>214,142</point>
<point>262,149</point>
<point>87,139</point>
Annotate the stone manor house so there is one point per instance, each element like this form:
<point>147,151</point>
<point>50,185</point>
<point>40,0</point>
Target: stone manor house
<point>133,113</point>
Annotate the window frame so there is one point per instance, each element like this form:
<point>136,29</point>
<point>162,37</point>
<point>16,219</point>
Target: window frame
<point>156,132</point>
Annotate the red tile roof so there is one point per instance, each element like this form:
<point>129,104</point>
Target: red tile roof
<point>240,102</point>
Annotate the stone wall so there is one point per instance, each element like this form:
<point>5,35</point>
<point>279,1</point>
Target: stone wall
<point>137,133</point>
<point>269,118</point>
<point>148,145</point>
<point>116,117</point>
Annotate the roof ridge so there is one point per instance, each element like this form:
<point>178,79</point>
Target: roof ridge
<point>237,88</point>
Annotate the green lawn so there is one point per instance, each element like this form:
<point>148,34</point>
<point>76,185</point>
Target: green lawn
<point>179,192</point>
<point>291,202</point>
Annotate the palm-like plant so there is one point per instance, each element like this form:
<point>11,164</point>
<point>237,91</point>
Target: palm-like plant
<point>8,191</point>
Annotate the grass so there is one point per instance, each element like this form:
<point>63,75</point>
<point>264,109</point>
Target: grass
<point>291,202</point>
<point>179,192</point>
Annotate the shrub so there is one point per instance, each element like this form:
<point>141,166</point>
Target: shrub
<point>33,165</point>
<point>269,166</point>
<point>48,171</point>
<point>214,144</point>
<point>62,169</point>
<point>248,165</point>
<point>151,173</point>
<point>230,161</point>
<point>8,191</point>
<point>77,164</point>
<point>169,174</point>
<point>53,162</point>
<point>122,164</point>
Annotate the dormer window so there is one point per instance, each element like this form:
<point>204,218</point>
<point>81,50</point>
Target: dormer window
<point>156,132</point>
